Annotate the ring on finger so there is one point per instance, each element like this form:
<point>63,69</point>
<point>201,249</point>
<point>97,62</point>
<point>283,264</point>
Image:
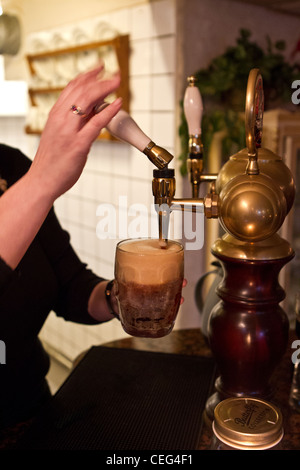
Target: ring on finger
<point>77,110</point>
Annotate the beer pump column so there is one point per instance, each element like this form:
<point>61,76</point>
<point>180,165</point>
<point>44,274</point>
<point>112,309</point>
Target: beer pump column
<point>248,329</point>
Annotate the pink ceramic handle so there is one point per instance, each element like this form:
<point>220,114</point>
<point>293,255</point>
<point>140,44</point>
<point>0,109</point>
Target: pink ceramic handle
<point>126,129</point>
<point>193,107</point>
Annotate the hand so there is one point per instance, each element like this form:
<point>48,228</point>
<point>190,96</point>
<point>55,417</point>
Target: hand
<point>67,137</point>
<point>183,285</point>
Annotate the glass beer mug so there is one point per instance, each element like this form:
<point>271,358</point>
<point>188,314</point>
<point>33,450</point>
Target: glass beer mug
<point>148,285</point>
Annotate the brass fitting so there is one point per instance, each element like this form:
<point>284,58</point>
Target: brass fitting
<point>211,206</point>
<point>195,145</point>
<point>195,169</point>
<point>163,187</point>
<point>159,156</point>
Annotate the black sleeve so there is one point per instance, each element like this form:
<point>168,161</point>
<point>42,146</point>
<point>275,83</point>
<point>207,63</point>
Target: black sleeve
<point>7,275</point>
<point>75,281</point>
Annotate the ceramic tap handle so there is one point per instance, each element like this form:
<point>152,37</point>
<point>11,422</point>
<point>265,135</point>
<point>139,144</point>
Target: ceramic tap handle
<point>125,128</point>
<point>193,107</point>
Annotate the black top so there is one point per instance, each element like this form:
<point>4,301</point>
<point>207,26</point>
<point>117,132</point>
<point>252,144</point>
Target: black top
<point>49,277</point>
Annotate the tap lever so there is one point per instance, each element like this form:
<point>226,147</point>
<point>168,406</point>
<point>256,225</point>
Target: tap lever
<point>193,110</point>
<point>126,129</point>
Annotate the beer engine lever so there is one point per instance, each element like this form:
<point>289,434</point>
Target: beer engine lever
<point>126,129</point>
<point>193,110</point>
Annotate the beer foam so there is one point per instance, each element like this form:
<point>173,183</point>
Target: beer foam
<point>146,262</point>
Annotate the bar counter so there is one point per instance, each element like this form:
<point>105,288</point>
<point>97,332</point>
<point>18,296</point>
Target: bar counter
<point>145,394</point>
<point>193,342</point>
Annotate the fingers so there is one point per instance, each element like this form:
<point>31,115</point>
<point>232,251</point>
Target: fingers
<point>184,283</point>
<point>79,80</point>
<point>93,127</point>
<point>88,90</point>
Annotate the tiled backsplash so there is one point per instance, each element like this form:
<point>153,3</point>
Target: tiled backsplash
<point>116,170</point>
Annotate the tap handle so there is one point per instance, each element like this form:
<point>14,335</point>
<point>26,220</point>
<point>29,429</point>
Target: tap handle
<point>125,128</point>
<point>193,107</point>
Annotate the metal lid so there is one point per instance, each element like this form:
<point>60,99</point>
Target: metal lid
<point>248,423</point>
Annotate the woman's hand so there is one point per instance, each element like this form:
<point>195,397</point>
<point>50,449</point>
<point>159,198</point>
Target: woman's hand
<point>68,135</point>
<point>183,285</point>
<point>59,161</point>
<point>98,307</point>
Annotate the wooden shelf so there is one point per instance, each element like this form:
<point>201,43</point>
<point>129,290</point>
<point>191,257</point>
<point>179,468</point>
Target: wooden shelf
<point>120,45</point>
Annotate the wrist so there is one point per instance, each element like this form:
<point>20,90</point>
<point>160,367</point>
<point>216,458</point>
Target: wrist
<point>37,187</point>
<point>109,298</point>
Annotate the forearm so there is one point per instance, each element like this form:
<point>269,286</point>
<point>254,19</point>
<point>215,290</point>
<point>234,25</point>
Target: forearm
<point>23,209</point>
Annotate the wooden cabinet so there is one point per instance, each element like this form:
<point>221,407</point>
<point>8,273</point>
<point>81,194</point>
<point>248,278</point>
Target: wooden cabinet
<point>51,71</point>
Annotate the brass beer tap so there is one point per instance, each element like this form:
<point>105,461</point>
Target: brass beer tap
<point>126,129</point>
<point>193,110</point>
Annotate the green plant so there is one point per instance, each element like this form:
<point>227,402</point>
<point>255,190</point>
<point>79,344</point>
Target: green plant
<point>223,88</point>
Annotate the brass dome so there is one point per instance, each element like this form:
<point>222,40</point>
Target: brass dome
<point>269,164</point>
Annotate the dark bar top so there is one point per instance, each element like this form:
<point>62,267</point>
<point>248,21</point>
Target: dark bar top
<point>193,342</point>
<point>63,418</point>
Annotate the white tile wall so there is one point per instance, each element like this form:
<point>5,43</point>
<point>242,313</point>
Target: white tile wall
<point>116,173</point>
<point>12,133</point>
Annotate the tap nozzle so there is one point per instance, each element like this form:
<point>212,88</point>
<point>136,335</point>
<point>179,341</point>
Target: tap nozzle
<point>163,189</point>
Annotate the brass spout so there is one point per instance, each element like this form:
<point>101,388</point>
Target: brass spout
<point>163,189</point>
